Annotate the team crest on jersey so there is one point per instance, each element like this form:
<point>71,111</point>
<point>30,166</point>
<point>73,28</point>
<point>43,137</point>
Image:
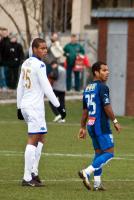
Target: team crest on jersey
<point>42,65</point>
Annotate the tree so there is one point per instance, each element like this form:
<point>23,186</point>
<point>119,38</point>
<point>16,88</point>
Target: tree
<point>32,12</point>
<point>37,16</point>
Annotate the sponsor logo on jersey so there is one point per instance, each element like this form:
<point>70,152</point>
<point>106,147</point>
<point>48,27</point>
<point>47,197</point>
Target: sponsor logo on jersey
<point>107,100</point>
<point>91,87</point>
<point>91,121</point>
<point>42,128</point>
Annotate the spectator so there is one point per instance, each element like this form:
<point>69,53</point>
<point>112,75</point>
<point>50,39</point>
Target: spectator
<point>55,50</point>
<point>15,56</point>
<point>71,50</point>
<point>4,45</point>
<point>57,78</point>
<point>1,73</point>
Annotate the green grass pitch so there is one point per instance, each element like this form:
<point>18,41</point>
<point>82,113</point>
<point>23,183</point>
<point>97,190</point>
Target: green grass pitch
<point>63,156</point>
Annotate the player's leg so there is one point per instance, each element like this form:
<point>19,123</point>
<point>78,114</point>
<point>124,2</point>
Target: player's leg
<point>106,151</point>
<point>97,180</point>
<point>35,171</point>
<point>100,159</point>
<point>77,81</point>
<point>97,173</point>
<point>69,78</point>
<point>42,131</point>
<point>107,147</point>
<point>61,97</point>
<point>30,152</point>
<point>35,130</point>
<point>54,109</point>
<point>86,173</point>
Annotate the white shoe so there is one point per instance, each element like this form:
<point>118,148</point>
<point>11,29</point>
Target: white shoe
<point>98,187</point>
<point>57,118</point>
<point>82,174</point>
<point>62,121</point>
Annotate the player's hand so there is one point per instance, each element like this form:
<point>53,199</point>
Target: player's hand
<point>62,112</point>
<point>117,127</point>
<point>19,114</point>
<point>82,133</point>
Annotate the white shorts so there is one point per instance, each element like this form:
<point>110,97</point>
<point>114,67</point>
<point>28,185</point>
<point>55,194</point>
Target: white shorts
<point>35,120</point>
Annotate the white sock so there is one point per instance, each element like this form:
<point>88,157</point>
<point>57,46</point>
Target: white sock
<point>29,160</point>
<point>89,170</point>
<point>37,158</point>
<point>97,180</point>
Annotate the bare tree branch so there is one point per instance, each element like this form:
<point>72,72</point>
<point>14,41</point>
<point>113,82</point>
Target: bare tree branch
<point>34,6</point>
<point>14,22</point>
<point>26,21</point>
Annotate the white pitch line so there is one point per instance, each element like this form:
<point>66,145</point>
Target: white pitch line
<point>68,180</point>
<point>16,153</point>
<point>52,123</point>
<point>13,101</point>
<point>48,123</point>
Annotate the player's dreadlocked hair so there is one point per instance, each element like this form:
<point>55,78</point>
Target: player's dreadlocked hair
<point>96,66</point>
<point>37,41</point>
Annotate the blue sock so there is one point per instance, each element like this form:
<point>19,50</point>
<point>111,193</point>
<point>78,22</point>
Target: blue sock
<point>99,171</point>
<point>99,161</point>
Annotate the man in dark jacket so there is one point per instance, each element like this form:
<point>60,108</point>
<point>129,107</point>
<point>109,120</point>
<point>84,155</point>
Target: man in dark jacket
<point>4,45</point>
<point>71,50</point>
<point>15,56</point>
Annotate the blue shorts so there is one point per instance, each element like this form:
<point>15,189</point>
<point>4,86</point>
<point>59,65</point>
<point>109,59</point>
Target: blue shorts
<point>102,142</point>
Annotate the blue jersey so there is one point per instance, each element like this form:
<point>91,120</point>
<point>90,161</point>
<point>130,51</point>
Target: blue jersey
<point>95,97</point>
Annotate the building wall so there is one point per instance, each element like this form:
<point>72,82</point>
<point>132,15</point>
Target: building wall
<point>102,39</point>
<point>102,55</point>
<point>116,51</point>
<point>130,70</point>
<point>80,15</point>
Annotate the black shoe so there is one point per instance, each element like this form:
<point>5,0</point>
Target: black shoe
<point>36,178</point>
<point>31,183</point>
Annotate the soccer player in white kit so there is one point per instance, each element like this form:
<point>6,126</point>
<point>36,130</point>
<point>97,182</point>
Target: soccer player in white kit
<point>33,85</point>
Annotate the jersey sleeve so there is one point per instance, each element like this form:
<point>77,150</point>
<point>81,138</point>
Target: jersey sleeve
<point>46,86</point>
<point>20,91</point>
<point>104,94</point>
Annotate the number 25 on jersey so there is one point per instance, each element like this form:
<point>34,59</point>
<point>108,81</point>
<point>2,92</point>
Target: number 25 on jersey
<point>91,103</point>
<point>26,78</point>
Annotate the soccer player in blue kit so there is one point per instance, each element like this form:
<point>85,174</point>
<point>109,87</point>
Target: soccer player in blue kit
<point>97,113</point>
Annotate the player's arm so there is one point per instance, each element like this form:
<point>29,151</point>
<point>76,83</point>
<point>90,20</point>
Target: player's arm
<point>46,86</point>
<point>104,93</point>
<point>110,114</point>
<point>48,91</point>
<point>20,92</point>
<point>82,131</point>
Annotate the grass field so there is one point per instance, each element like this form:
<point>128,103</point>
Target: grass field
<point>63,156</point>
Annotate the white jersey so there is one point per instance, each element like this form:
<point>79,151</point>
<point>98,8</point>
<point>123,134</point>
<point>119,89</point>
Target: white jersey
<point>33,84</point>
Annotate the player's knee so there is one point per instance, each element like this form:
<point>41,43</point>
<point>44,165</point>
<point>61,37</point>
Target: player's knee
<point>108,156</point>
